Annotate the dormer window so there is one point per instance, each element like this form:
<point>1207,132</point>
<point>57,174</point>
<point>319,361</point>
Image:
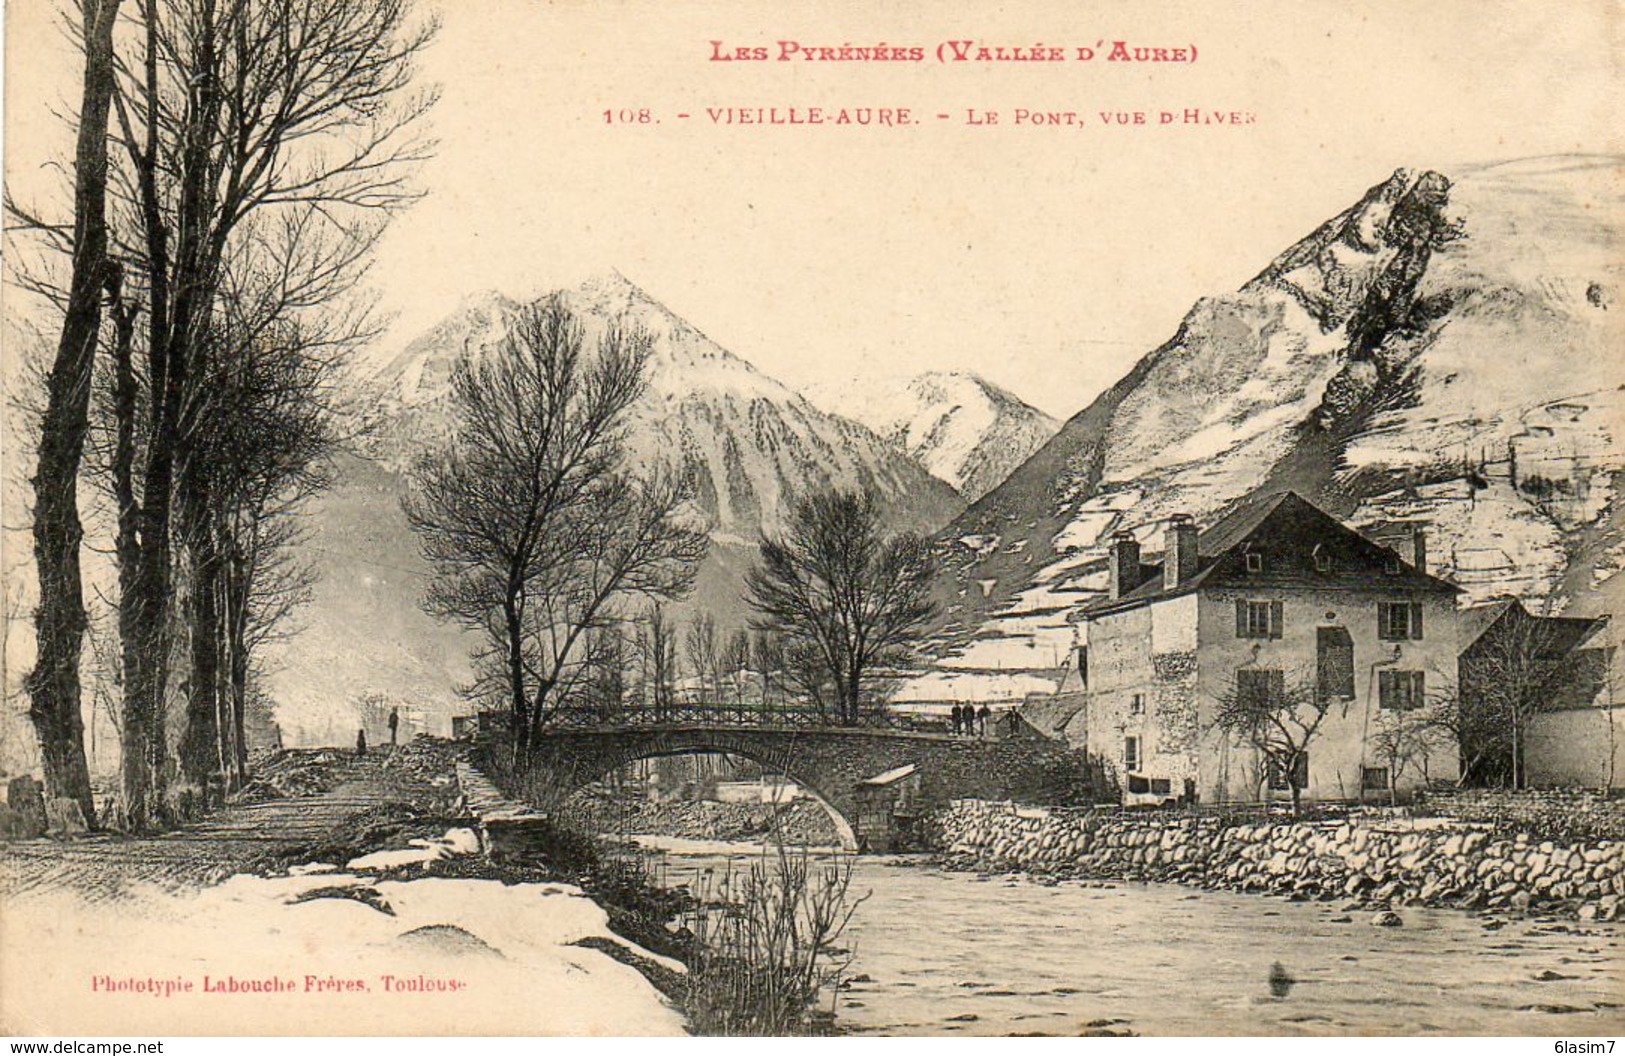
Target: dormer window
<point>1323,560</point>
<point>1393,564</point>
<point>1255,561</point>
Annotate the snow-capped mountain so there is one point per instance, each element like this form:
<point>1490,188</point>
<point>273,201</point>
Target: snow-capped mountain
<point>753,444</point>
<point>754,447</point>
<point>961,427</point>
<point>1446,350</point>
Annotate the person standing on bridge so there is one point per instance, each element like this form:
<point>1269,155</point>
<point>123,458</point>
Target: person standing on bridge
<point>958,714</point>
<point>985,715</point>
<point>360,743</point>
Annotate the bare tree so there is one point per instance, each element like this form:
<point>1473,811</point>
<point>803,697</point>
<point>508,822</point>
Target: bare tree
<point>849,601</point>
<point>700,644</point>
<point>239,131</point>
<point>735,665</point>
<point>767,660</point>
<point>606,664</point>
<point>53,685</point>
<point>1406,738</point>
<point>529,515</point>
<point>1520,666</point>
<point>657,649</point>
<point>1279,717</point>
<point>262,431</point>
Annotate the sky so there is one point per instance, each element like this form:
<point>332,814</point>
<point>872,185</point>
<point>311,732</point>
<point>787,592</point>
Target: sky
<point>1047,259</point>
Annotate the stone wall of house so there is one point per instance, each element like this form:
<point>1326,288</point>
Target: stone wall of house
<point>1381,863</point>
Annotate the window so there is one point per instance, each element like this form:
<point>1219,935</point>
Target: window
<point>1260,688</point>
<point>1083,666</point>
<point>1334,663</point>
<point>1374,779</point>
<point>1137,705</point>
<point>1323,560</point>
<point>1162,786</point>
<point>1255,561</point>
<point>1138,785</point>
<point>1258,619</point>
<point>1394,565</point>
<point>1131,753</point>
<point>1399,620</point>
<point>1400,690</point>
<point>1278,774</point>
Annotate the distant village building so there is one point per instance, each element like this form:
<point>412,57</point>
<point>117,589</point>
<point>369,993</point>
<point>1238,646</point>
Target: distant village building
<point>1275,593</point>
<point>1567,668</point>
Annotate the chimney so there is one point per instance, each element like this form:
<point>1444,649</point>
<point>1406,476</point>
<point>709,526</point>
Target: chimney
<point>1179,551</point>
<point>1124,563</point>
<point>1419,547</point>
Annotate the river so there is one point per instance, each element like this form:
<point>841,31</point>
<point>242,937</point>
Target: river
<point>940,952</point>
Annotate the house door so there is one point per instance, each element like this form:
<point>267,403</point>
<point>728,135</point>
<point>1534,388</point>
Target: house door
<point>1334,663</point>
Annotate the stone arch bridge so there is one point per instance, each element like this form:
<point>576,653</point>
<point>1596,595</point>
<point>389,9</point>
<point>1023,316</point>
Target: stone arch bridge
<point>831,763</point>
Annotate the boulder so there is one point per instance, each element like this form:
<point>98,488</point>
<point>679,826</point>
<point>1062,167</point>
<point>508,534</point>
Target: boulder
<point>63,817</point>
<point>23,795</point>
<point>1387,919</point>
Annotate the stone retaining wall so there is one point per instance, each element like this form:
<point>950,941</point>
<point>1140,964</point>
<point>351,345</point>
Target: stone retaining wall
<point>1559,813</point>
<point>1379,863</point>
<point>508,829</point>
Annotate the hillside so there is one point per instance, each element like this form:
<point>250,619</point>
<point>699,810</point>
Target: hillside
<point>1446,350</point>
<point>961,427</point>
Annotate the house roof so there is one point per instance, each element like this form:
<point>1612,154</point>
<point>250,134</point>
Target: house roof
<point>1291,533</point>
<point>1559,635</point>
<point>1473,621</point>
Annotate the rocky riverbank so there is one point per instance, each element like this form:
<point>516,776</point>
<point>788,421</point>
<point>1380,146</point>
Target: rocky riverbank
<point>1381,863</point>
<point>801,822</point>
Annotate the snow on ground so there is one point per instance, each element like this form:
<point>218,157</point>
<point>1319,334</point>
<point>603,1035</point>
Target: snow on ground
<point>1024,652</point>
<point>502,960</point>
<point>973,686</point>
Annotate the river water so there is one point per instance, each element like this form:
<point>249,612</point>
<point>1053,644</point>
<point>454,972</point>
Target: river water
<point>940,952</point>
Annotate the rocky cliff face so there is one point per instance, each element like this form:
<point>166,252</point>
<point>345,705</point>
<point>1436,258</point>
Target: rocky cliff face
<point>961,427</point>
<point>1445,350</point>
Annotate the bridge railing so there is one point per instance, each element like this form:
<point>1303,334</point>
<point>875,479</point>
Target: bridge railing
<point>717,713</point>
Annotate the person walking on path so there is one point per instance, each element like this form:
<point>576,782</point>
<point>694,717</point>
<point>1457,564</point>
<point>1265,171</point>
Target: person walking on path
<point>360,743</point>
<point>394,724</point>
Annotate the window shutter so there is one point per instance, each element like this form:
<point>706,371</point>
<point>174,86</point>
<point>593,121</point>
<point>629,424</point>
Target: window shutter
<point>1418,689</point>
<point>1241,618</point>
<point>1275,619</point>
<point>1385,689</point>
<point>1416,619</point>
<point>1277,690</point>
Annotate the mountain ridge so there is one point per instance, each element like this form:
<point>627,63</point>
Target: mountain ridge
<point>1383,366</point>
<point>964,429</point>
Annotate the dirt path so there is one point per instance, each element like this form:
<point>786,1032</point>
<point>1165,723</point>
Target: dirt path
<point>236,839</point>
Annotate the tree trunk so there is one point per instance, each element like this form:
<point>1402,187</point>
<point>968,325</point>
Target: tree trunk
<point>200,749</point>
<point>59,620</point>
<point>181,298</point>
<point>234,606</point>
<point>518,719</point>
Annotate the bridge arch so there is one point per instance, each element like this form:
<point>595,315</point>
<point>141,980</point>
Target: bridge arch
<point>831,763</point>
<point>608,763</point>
